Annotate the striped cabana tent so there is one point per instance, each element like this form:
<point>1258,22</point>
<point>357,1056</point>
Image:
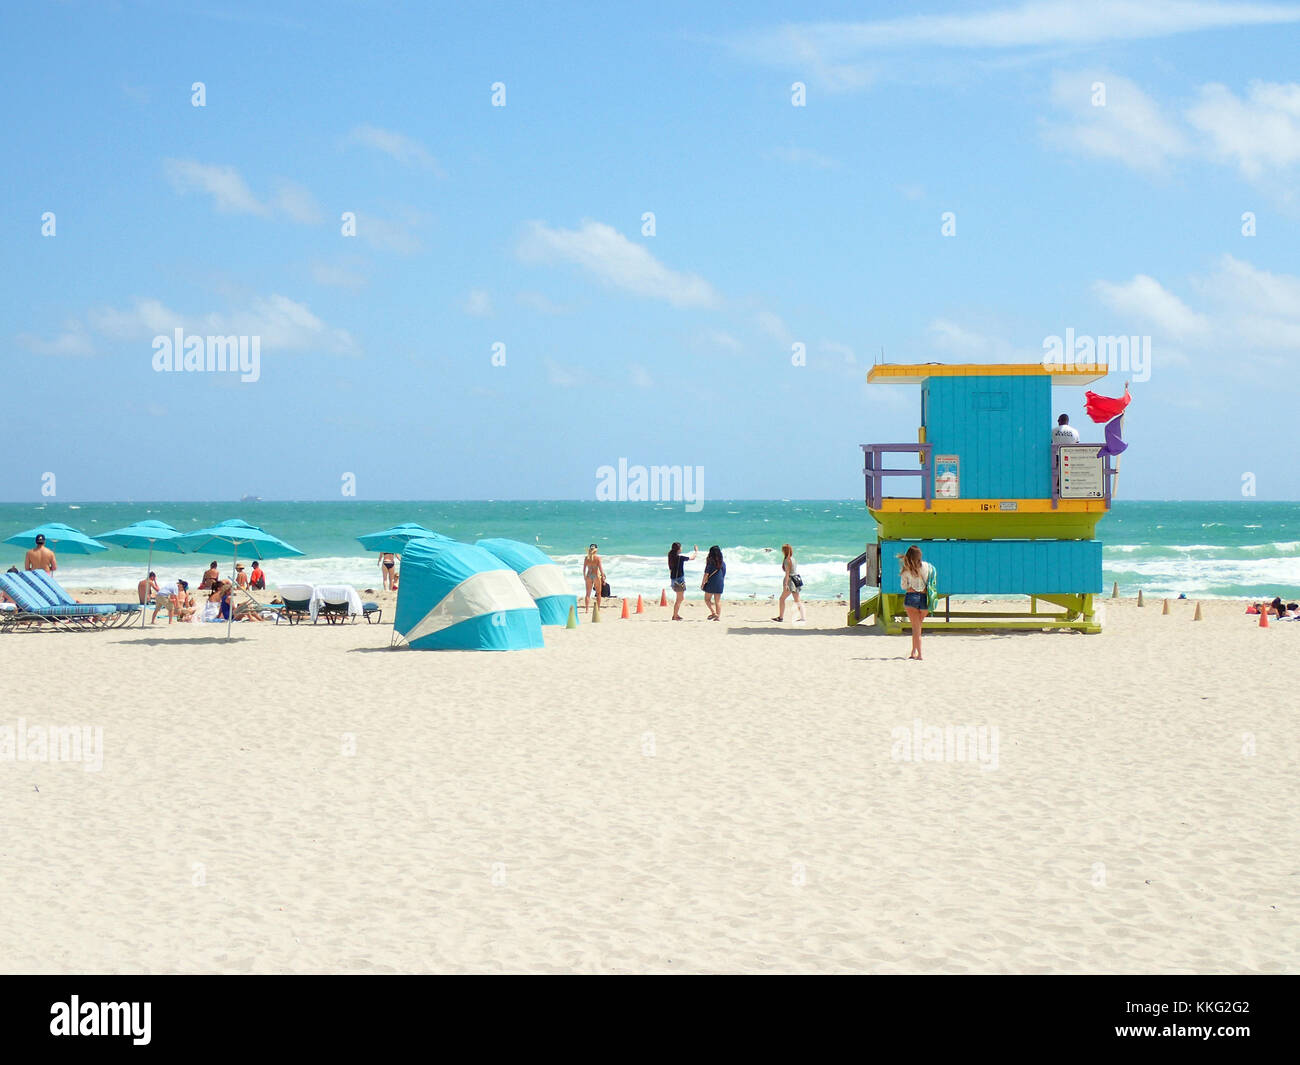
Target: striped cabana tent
<point>541,576</point>
<point>458,597</point>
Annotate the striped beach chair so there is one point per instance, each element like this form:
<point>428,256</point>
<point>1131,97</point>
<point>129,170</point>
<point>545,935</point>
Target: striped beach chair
<point>34,608</point>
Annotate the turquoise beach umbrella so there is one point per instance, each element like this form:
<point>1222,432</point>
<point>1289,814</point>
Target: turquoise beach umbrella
<point>394,540</point>
<point>58,537</point>
<point>241,537</point>
<point>148,535</point>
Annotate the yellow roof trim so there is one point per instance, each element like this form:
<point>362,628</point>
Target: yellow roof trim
<point>902,373</point>
<point>1037,506</point>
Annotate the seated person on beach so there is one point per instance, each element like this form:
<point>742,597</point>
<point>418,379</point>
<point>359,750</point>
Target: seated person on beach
<point>257,579</point>
<point>40,557</point>
<point>147,588</point>
<point>211,578</point>
<point>1064,433</point>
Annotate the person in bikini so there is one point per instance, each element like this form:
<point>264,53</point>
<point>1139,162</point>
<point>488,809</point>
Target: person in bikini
<point>387,567</point>
<point>593,576</point>
<point>211,577</point>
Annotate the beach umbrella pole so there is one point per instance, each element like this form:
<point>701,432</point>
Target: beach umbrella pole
<point>230,619</point>
<point>147,567</point>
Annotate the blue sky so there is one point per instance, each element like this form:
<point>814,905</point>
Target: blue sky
<point>521,225</point>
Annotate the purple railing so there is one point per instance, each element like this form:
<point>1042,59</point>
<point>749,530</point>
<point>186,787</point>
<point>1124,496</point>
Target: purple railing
<point>874,468</point>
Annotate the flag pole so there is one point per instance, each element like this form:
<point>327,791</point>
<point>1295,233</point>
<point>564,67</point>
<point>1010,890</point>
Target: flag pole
<point>1114,484</point>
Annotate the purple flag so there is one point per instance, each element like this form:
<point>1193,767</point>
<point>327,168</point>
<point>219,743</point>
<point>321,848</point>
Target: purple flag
<point>1114,442</point>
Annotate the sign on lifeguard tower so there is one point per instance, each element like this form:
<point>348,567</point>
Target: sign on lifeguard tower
<point>1082,472</point>
<point>947,477</point>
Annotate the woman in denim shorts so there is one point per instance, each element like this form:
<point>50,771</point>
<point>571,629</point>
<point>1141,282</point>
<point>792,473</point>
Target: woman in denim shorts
<point>677,575</point>
<point>914,576</point>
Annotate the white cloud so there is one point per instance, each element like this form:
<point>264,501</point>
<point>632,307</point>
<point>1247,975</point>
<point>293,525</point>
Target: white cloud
<point>1146,299</point>
<point>803,157</point>
<point>614,260</point>
<point>283,324</point>
<point>399,146</point>
<point>337,275</point>
<point>954,338</point>
<point>387,234</point>
<point>1129,127</point>
<point>1037,23</point>
<point>1260,133</point>
<point>842,56</point>
<point>773,326</point>
<point>565,376</point>
<point>230,193</point>
<point>1258,308</point>
<point>721,339</point>
<point>846,354</point>
<point>537,302</point>
<point>72,341</point>
<point>298,203</point>
<point>478,304</point>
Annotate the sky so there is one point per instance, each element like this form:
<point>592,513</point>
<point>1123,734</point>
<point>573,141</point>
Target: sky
<point>485,250</point>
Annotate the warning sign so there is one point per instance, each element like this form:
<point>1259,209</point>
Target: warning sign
<point>1082,473</point>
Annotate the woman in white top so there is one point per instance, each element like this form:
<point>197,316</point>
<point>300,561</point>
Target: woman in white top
<point>789,587</point>
<point>914,575</point>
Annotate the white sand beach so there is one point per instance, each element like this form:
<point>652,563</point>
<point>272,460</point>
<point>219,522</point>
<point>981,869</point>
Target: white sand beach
<point>651,797</point>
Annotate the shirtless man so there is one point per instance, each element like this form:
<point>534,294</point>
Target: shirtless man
<point>148,587</point>
<point>41,557</point>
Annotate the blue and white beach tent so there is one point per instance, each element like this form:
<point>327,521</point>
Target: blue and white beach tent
<point>541,576</point>
<point>458,597</point>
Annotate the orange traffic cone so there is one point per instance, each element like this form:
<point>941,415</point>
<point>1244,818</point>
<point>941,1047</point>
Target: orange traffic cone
<point>624,614</point>
<point>640,606</point>
<point>1263,616</point>
<point>663,597</point>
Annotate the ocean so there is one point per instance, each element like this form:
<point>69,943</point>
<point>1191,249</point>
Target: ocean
<point>1202,549</point>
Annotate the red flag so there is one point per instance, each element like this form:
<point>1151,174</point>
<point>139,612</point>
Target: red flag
<point>1103,408</point>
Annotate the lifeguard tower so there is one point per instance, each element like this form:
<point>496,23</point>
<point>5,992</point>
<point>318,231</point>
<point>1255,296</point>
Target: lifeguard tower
<point>1002,510</point>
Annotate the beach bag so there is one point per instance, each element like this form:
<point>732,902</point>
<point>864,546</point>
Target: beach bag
<point>931,589</point>
<point>604,590</point>
<point>796,580</point>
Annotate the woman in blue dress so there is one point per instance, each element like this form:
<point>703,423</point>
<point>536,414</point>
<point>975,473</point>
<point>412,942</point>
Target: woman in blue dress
<point>715,572</point>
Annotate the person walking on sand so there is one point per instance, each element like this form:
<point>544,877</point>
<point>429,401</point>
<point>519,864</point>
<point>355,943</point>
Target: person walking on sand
<point>593,576</point>
<point>40,557</point>
<point>791,584</point>
<point>715,573</point>
<point>677,575</point>
<point>915,575</point>
<point>387,564</point>
<point>257,579</point>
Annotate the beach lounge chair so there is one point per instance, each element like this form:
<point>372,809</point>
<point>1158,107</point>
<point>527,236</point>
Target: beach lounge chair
<point>60,596</point>
<point>337,603</point>
<point>297,603</point>
<point>34,608</point>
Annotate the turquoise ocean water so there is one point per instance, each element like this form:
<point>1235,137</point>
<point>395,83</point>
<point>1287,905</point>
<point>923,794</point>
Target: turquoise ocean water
<point>1204,549</point>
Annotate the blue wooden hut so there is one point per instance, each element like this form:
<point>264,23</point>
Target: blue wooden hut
<point>1001,509</point>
